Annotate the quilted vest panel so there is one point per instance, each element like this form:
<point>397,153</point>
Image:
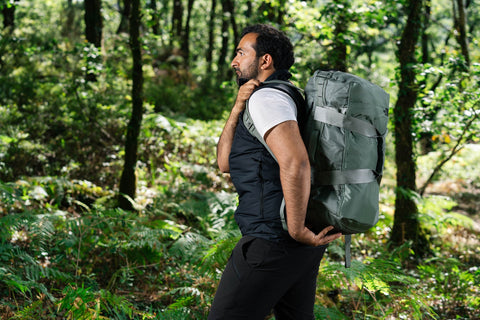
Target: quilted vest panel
<point>256,177</point>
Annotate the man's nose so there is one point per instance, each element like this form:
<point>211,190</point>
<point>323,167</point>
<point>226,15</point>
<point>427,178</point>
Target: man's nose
<point>234,63</point>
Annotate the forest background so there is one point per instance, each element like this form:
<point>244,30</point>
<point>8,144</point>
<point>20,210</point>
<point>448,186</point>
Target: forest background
<point>112,206</point>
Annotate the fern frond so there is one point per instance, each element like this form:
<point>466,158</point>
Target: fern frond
<point>30,311</point>
<point>117,305</point>
<point>185,291</point>
<point>322,312</point>
<point>7,194</point>
<point>217,256</point>
<point>17,284</point>
<point>175,313</point>
<point>189,246</point>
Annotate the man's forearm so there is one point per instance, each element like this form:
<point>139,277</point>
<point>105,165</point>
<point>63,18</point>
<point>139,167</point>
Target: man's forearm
<point>287,145</point>
<point>295,178</point>
<point>224,144</point>
<point>296,190</point>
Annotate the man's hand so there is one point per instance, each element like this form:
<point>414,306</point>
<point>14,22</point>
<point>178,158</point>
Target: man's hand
<point>306,236</point>
<point>244,93</point>
<point>287,145</point>
<point>224,144</point>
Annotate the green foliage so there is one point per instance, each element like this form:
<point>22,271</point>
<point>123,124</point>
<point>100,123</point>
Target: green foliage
<point>84,303</point>
<point>63,243</point>
<point>364,28</point>
<point>451,113</point>
<point>373,287</point>
<point>78,259</point>
<point>136,247</point>
<point>453,288</point>
<point>198,101</point>
<point>67,252</point>
<point>217,256</point>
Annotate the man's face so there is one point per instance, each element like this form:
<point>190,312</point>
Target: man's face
<point>246,62</point>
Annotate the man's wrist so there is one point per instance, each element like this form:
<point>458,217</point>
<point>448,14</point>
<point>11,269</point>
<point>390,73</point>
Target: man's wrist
<point>237,109</point>
<point>296,232</point>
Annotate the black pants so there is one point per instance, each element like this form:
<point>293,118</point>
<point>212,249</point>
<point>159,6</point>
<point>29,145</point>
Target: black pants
<point>262,275</point>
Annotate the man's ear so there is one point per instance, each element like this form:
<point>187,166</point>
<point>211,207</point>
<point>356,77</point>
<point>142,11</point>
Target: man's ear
<point>266,61</point>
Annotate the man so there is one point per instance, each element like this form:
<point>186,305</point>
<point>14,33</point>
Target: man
<point>270,269</point>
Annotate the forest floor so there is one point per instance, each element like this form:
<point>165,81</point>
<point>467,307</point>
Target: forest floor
<point>463,188</point>
<point>466,195</point>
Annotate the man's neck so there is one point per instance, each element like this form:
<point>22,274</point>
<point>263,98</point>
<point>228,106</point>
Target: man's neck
<point>265,74</point>
<point>280,75</point>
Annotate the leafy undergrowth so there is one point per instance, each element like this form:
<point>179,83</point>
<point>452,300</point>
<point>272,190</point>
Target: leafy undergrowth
<point>66,252</point>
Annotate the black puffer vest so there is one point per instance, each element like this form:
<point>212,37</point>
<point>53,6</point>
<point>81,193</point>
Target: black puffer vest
<point>256,177</point>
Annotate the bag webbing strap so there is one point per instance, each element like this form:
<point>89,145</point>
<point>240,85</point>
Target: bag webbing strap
<point>345,176</point>
<point>283,216</point>
<point>248,122</point>
<point>348,257</point>
<point>283,86</point>
<point>335,118</point>
<point>289,89</point>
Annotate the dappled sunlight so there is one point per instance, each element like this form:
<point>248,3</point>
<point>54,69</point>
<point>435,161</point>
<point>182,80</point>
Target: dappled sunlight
<point>67,251</point>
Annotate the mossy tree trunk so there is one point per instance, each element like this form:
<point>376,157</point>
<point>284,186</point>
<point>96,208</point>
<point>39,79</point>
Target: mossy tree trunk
<point>185,46</point>
<point>228,19</point>
<point>125,11</point>
<point>8,13</point>
<point>406,225</point>
<point>128,179</point>
<point>93,34</point>
<point>338,54</point>
<point>211,37</point>
<point>177,22</point>
<point>460,25</point>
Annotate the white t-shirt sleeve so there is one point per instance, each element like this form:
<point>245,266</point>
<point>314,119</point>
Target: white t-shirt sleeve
<point>270,107</point>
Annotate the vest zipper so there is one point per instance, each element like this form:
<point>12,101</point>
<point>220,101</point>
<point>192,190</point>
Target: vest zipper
<point>261,188</point>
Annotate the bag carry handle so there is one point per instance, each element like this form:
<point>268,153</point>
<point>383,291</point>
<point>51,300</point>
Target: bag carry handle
<point>335,118</point>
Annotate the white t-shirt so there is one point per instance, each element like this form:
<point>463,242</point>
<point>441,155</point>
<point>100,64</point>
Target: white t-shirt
<point>270,107</point>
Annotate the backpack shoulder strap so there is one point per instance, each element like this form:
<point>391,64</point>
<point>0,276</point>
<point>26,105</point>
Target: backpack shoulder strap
<point>297,95</point>
<point>248,122</point>
<point>294,92</point>
<point>348,257</point>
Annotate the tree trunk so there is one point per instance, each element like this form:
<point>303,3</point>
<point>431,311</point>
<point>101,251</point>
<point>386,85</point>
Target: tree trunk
<point>228,15</point>
<point>267,10</point>
<point>272,11</point>
<point>93,33</point>
<point>337,15</point>
<point>211,38</point>
<point>282,10</point>
<point>70,19</point>
<point>222,57</point>
<point>231,10</point>
<point>339,52</point>
<point>93,22</point>
<point>155,17</point>
<point>186,34</point>
<point>424,34</point>
<point>426,136</point>
<point>8,12</point>
<point>177,21</point>
<point>128,179</point>
<point>125,12</point>
<point>460,22</point>
<point>406,225</point>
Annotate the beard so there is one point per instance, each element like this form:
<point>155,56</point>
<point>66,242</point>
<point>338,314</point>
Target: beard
<point>243,76</point>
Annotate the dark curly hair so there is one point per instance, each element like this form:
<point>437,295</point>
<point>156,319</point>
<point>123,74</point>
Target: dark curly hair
<point>273,42</point>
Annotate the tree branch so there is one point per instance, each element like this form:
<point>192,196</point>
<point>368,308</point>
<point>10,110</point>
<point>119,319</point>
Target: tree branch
<point>458,146</point>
